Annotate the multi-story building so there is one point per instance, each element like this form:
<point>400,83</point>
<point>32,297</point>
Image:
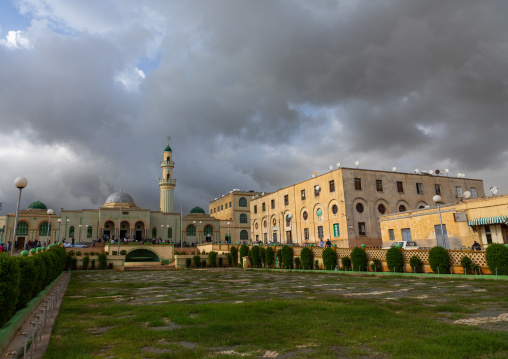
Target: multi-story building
<point>233,211</point>
<point>344,205</point>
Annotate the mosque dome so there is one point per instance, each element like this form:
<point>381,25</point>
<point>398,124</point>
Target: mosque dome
<point>167,149</point>
<point>120,197</point>
<point>197,209</point>
<point>37,205</point>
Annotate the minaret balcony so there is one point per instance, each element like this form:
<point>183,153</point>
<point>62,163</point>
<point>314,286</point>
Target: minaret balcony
<point>167,163</point>
<point>167,182</point>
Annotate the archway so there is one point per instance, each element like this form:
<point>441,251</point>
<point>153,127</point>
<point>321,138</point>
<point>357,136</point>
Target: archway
<point>140,230</point>
<point>124,229</point>
<point>142,255</point>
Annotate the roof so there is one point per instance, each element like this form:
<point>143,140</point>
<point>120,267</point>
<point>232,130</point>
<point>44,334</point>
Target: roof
<point>167,149</point>
<point>489,220</point>
<point>37,205</point>
<point>197,209</point>
<point>121,197</point>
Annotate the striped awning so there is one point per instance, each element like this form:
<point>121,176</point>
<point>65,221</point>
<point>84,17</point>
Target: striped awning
<point>489,220</point>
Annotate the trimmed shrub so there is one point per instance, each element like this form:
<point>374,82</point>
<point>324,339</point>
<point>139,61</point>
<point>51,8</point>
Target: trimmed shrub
<point>416,264</point>
<point>68,262</point>
<point>262,256</point>
<point>346,263</point>
<point>497,258</point>
<point>10,278</point>
<point>203,263</point>
<point>123,252</point>
<point>377,265</point>
<point>230,259</point>
<point>102,261</point>
<point>74,264</point>
<point>329,258</point>
<point>439,260</point>
<point>394,259</point>
<point>71,253</point>
<point>86,260</point>
<point>114,253</point>
<point>359,259</point>
<point>220,261</point>
<point>110,265</point>
<point>93,264</point>
<point>26,283</point>
<point>37,261</point>
<point>307,258</point>
<point>188,262</point>
<point>465,263</point>
<point>316,264</point>
<point>197,261</point>
<point>212,258</point>
<point>78,253</point>
<point>46,270</point>
<point>287,257</point>
<point>279,257</point>
<point>270,257</point>
<point>255,259</point>
<point>244,251</point>
<point>234,255</point>
<point>298,263</point>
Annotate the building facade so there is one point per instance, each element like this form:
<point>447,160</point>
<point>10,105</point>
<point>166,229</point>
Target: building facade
<point>345,205</point>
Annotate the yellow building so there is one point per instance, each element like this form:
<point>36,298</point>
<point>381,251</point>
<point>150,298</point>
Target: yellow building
<point>484,220</point>
<point>345,205</point>
<point>233,211</point>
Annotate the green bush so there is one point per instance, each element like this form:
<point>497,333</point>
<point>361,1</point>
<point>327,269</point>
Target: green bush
<point>114,253</point>
<point>188,262</point>
<point>10,278</point>
<point>123,252</point>
<point>439,260</point>
<point>230,259</point>
<point>497,258</point>
<point>26,284</point>
<point>394,259</point>
<point>68,262</point>
<point>244,251</point>
<point>197,261</point>
<point>212,258</point>
<point>86,259</point>
<point>234,255</point>
<point>71,253</point>
<point>203,263</point>
<point>316,264</point>
<point>359,259</point>
<point>270,257</point>
<point>74,264</point>
<point>298,263</point>
<point>110,265</point>
<point>466,263</point>
<point>262,256</point>
<point>78,253</point>
<point>93,264</point>
<point>102,260</point>
<point>279,257</point>
<point>329,258</point>
<point>416,264</point>
<point>220,261</point>
<point>376,266</point>
<point>287,257</point>
<point>46,265</point>
<point>37,262</point>
<point>346,263</point>
<point>255,258</point>
<point>307,258</point>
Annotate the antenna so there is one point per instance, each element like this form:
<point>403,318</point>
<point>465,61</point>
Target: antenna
<point>494,190</point>
<point>394,169</point>
<point>417,170</point>
<point>357,163</point>
<point>337,164</point>
<point>330,167</point>
<point>467,194</point>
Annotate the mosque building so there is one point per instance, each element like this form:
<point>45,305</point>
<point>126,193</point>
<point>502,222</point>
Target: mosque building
<point>119,217</point>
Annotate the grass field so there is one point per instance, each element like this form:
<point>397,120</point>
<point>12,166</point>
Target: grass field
<point>276,314</point>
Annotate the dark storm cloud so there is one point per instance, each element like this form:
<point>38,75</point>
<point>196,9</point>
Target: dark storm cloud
<point>258,94</point>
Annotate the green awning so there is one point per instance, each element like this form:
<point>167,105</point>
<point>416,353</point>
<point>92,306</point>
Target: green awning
<point>489,220</point>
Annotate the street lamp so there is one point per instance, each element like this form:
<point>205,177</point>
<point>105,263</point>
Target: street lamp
<point>198,231</point>
<point>20,182</point>
<point>50,212</point>
<point>79,239</point>
<point>66,223</point>
<point>437,199</point>
<point>59,224</point>
<point>167,233</point>
<point>86,230</point>
<point>290,216</point>
<point>162,229</point>
<point>196,227</point>
<point>228,235</point>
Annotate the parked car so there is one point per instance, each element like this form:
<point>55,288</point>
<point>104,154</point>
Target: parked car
<point>407,245</point>
<point>75,245</point>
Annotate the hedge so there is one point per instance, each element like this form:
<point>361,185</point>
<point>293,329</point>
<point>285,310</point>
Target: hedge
<point>270,257</point>
<point>262,256</point>
<point>234,255</point>
<point>287,257</point>
<point>497,258</point>
<point>329,258</point>
<point>255,258</point>
<point>394,259</point>
<point>197,261</point>
<point>307,258</point>
<point>359,259</point>
<point>212,258</point>
<point>244,251</point>
<point>439,260</point>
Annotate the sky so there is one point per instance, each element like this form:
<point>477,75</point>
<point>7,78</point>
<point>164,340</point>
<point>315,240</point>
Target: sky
<point>256,95</point>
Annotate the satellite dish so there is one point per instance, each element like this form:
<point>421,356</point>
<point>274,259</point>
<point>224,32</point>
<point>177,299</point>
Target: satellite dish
<point>467,194</point>
<point>417,170</point>
<point>357,163</point>
<point>431,172</point>
<point>494,190</point>
<point>331,167</point>
<point>424,171</point>
<point>317,188</point>
<point>437,172</point>
<point>394,169</point>
<point>338,164</point>
<point>463,175</point>
<point>446,170</point>
<point>313,175</point>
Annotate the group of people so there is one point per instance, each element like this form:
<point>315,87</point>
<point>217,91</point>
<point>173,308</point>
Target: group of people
<point>322,244</point>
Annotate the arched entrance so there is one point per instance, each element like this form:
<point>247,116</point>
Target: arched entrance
<point>140,230</point>
<point>109,229</point>
<point>124,229</point>
<point>142,255</point>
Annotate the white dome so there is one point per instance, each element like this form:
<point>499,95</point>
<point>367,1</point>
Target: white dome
<point>118,197</point>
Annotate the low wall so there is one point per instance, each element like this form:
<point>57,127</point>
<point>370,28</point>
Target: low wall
<point>118,261</point>
<point>181,259</point>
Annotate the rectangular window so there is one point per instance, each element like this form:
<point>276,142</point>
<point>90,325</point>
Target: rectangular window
<point>406,234</point>
<point>316,190</point>
<point>332,186</point>
<point>222,207</point>
<point>263,206</point>
<point>265,237</point>
<point>437,187</point>
<point>170,232</point>
<point>391,234</point>
<point>488,234</point>
<point>419,188</point>
<point>273,204</point>
<point>358,184</point>
<point>89,232</point>
<point>306,233</point>
<point>303,194</point>
<point>255,209</point>
<point>458,190</point>
<point>226,206</point>
<point>379,185</point>
<point>286,200</point>
<point>439,237</point>
<point>473,192</point>
<point>336,230</point>
<point>229,204</point>
<point>400,187</point>
<point>320,231</point>
<point>361,228</point>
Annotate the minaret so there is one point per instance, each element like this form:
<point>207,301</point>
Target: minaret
<point>167,183</point>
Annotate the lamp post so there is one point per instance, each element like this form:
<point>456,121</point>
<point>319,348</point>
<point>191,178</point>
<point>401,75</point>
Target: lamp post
<point>20,182</point>
<point>86,231</point>
<point>66,223</point>
<point>162,229</point>
<point>167,233</point>
<point>228,236</point>
<point>195,226</point>
<point>290,216</point>
<point>59,224</point>
<point>50,212</point>
<point>437,199</point>
<point>198,231</point>
<point>79,239</point>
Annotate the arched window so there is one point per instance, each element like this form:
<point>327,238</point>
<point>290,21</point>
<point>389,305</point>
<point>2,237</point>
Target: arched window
<point>208,230</point>
<point>242,202</point>
<point>167,175</point>
<point>381,208</point>
<point>89,232</point>
<point>154,232</point>
<point>243,218</point>
<point>402,208</point>
<point>244,235</point>
<point>335,209</point>
<point>22,229</point>
<point>43,229</point>
<point>359,207</point>
<point>71,231</point>
<point>305,215</point>
<point>168,159</point>
<point>191,230</point>
<point>170,232</point>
